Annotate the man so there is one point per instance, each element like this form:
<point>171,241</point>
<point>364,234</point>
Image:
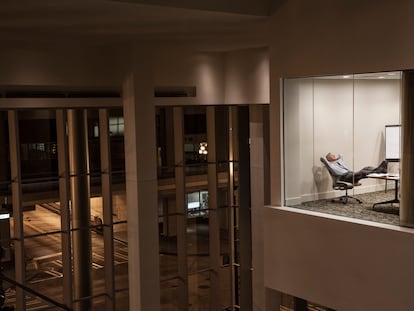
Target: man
<point>338,166</point>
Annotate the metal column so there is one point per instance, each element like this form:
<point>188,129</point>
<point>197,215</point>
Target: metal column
<point>79,180</point>
<point>232,214</point>
<point>180,207</point>
<point>64,195</point>
<point>214,236</point>
<point>106,181</point>
<point>19,254</point>
<point>245,227</point>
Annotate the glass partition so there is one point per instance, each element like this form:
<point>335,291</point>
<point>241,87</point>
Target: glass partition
<point>345,115</point>
<point>40,235</point>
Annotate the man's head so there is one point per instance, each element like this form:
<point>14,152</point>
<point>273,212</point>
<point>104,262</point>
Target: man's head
<point>331,157</point>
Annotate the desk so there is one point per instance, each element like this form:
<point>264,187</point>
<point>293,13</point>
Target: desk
<point>396,178</point>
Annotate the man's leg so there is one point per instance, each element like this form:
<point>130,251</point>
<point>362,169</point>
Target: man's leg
<point>352,177</point>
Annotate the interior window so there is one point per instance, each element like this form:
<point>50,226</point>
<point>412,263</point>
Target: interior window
<point>356,118</point>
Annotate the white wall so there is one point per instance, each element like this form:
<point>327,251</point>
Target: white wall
<point>342,116</point>
<point>345,265</point>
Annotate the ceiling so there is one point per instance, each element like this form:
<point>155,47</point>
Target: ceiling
<point>92,21</point>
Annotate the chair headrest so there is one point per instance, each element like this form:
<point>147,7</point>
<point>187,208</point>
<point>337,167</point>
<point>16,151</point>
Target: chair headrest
<point>328,166</point>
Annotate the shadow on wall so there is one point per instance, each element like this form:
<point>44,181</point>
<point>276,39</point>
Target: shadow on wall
<point>321,178</point>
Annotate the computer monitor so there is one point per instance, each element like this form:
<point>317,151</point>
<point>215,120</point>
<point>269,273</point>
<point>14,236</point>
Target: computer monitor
<point>392,142</point>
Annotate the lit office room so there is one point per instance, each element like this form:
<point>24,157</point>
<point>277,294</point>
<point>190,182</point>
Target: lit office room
<point>355,117</point>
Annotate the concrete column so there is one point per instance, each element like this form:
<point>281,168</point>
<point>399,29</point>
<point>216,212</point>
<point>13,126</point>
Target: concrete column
<point>80,193</point>
<point>108,231</point>
<point>141,188</point>
<point>257,188</point>
<point>407,152</point>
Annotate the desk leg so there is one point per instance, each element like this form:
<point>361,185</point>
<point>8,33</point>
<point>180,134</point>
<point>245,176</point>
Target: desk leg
<point>395,200</point>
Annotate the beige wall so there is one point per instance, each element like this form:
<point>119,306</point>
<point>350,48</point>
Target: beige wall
<point>333,37</point>
<point>247,77</point>
<point>237,77</point>
<point>61,66</point>
<point>349,261</point>
<point>345,265</point>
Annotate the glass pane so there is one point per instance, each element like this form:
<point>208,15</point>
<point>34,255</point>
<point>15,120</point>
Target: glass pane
<point>198,243</point>
<point>199,291</point>
<point>44,260</point>
<point>38,155</point>
<point>117,148</point>
<point>379,92</point>
<point>168,246</point>
<point>121,262</point>
<point>169,295</point>
<point>122,300</point>
<point>195,140</point>
<point>226,284</point>
<point>329,115</point>
<point>165,142</point>
<point>98,263</point>
<point>222,134</point>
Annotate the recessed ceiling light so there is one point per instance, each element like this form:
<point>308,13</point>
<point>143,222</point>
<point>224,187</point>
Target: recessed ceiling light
<point>346,76</point>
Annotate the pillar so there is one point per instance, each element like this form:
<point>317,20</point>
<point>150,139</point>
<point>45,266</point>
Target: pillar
<point>407,152</point>
<point>257,188</point>
<point>79,183</point>
<point>141,188</point>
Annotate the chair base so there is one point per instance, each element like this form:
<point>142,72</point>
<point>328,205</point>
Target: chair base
<point>345,198</point>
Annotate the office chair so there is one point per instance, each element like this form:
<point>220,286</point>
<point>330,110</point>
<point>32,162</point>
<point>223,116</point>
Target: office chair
<point>338,184</point>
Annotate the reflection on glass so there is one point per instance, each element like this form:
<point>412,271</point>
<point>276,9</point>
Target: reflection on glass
<point>170,295</point>
<point>205,231</point>
<point>197,204</point>
<point>199,291</point>
<point>195,140</point>
<point>198,244</point>
<point>165,142</point>
<point>36,132</point>
<point>168,246</point>
<point>225,286</point>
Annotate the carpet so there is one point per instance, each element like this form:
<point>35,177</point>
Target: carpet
<point>384,213</point>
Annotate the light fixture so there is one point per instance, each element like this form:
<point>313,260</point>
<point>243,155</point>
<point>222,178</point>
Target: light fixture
<point>203,148</point>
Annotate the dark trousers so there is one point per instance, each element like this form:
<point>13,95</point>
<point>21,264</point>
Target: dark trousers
<point>354,177</point>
